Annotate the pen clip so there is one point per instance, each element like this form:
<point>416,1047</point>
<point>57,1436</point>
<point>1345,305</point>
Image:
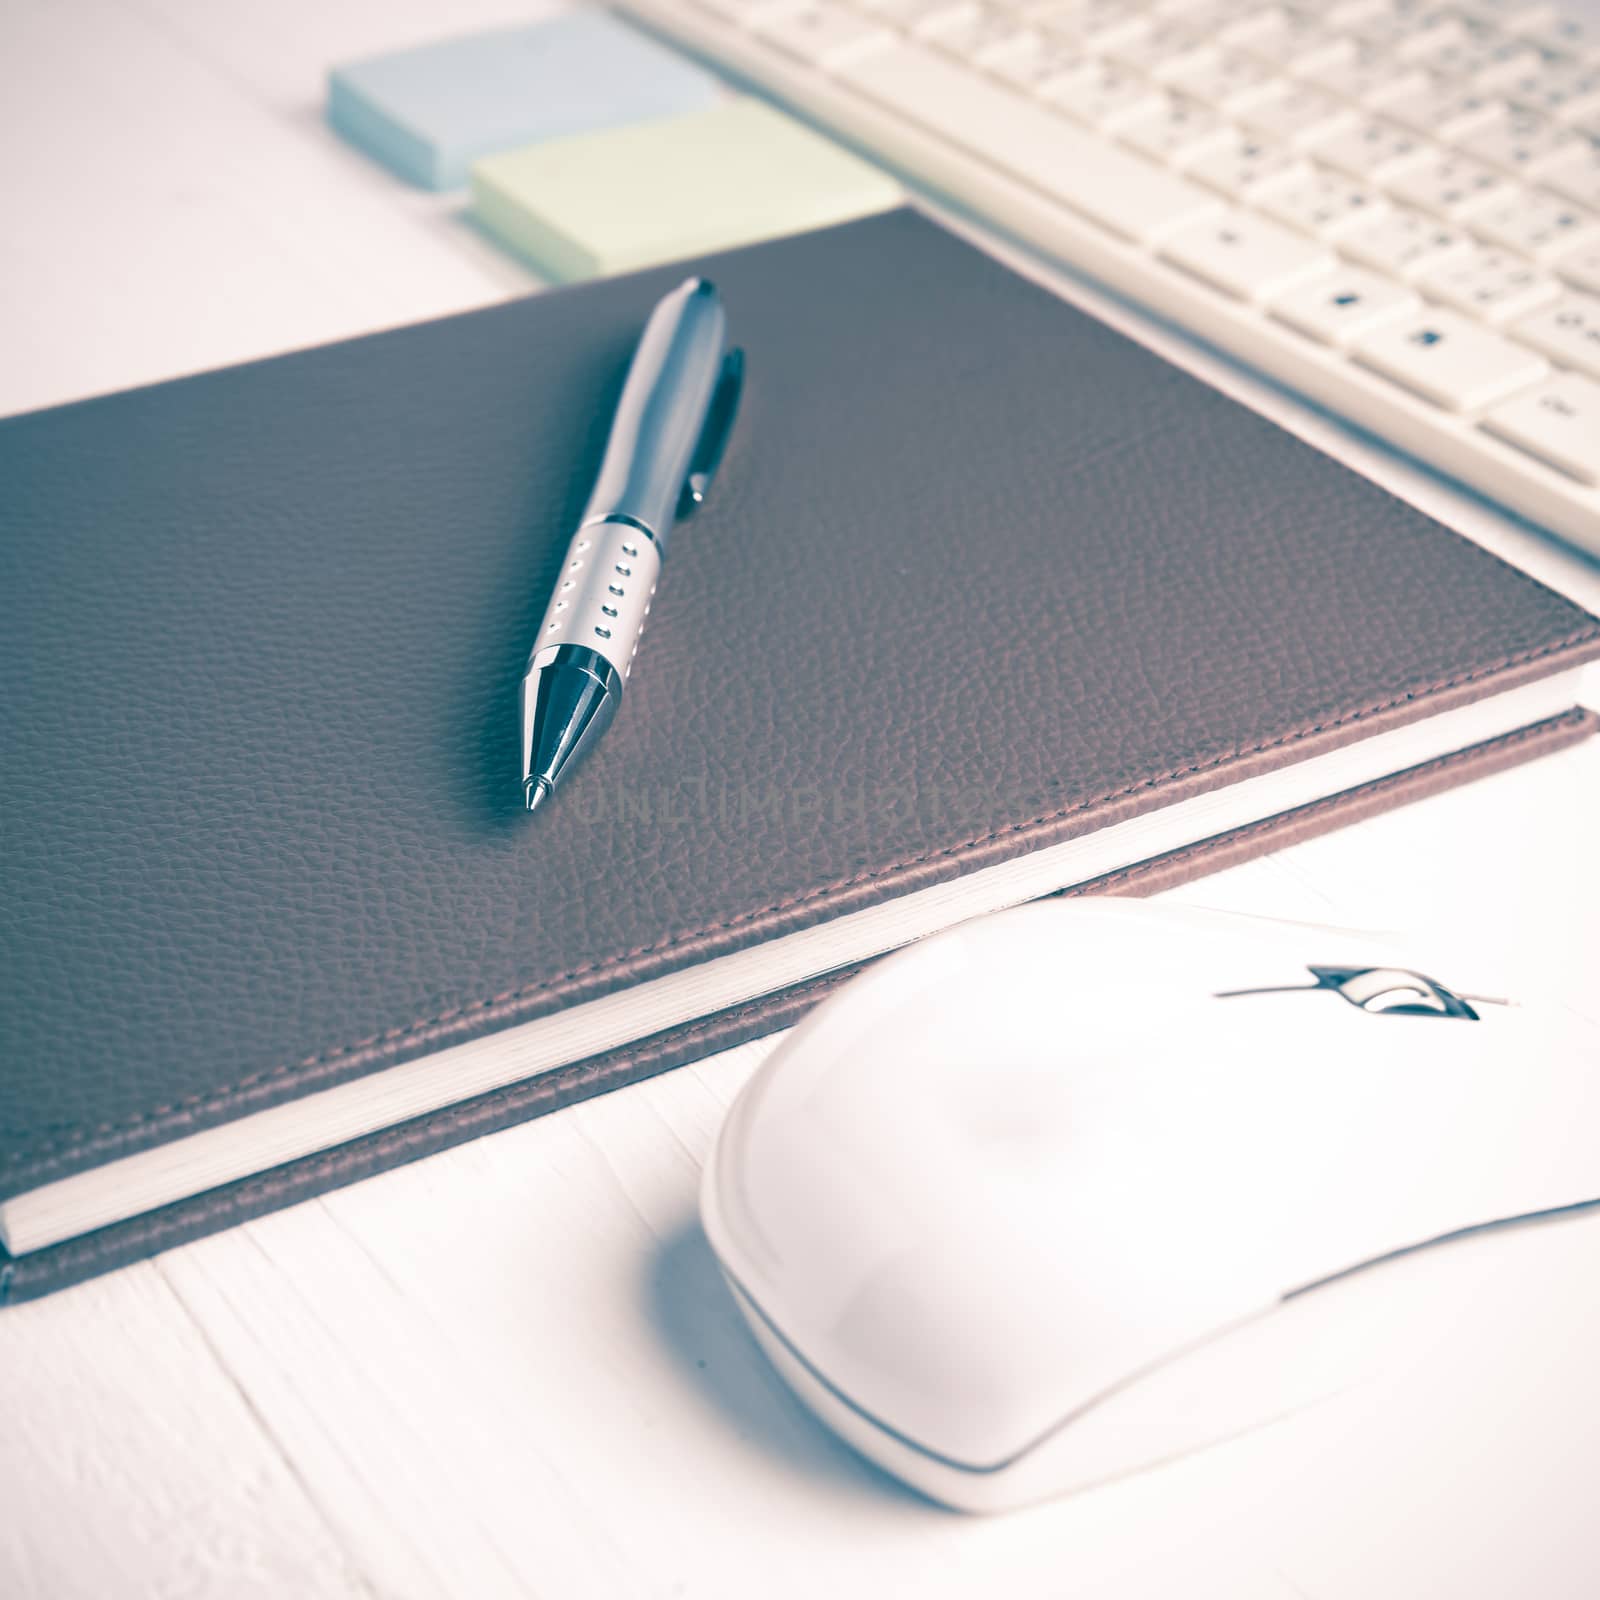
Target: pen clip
<point>714,435</point>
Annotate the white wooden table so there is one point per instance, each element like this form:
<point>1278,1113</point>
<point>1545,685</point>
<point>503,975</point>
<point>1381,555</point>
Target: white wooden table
<point>511,1369</point>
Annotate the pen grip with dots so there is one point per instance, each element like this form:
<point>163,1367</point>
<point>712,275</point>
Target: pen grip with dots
<point>603,592</point>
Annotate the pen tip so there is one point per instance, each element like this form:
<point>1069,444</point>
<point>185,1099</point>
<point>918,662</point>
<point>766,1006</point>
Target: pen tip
<point>534,791</point>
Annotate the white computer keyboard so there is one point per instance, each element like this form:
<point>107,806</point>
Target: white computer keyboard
<point>1392,206</point>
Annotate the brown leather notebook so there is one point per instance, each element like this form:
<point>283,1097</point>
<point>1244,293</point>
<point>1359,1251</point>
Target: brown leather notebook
<point>987,603</point>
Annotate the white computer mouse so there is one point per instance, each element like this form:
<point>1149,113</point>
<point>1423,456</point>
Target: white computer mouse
<point>1082,1187</point>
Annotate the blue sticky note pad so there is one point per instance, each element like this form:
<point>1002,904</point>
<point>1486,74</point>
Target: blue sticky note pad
<point>429,113</point>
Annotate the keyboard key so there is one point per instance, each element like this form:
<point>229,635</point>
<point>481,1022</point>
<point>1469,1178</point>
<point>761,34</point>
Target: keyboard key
<point>1102,19</point>
<point>1570,35</point>
<point>1406,243</point>
<point>1209,15</point>
<point>1336,309</point>
<point>1374,150</point>
<point>1246,256</point>
<point>1449,361</point>
<point>1563,88</point>
<point>1453,47</point>
<point>1368,73</point>
<point>1090,24</point>
<point>909,14</point>
<point>1390,23</point>
<point>1446,109</point>
<point>996,48</point>
<point>1451,187</point>
<point>1290,40</point>
<point>1580,267</point>
<point>1323,204</point>
<point>1225,79</point>
<point>1163,49</point>
<point>1348,15</point>
<point>1111,186</point>
<point>1493,285</point>
<point>1559,422</point>
<point>940,13</point>
<point>1394,19</point>
<point>951,14</point>
<point>1297,114</point>
<point>971,34</point>
<point>1521,142</point>
<point>1244,165</point>
<point>1102,95</point>
<point>1513,62</point>
<point>743,11</point>
<point>820,33</point>
<point>1514,16</point>
<point>1176,131</point>
<point>1032,65</point>
<point>1577,176</point>
<point>1568,332</point>
<point>1535,224</point>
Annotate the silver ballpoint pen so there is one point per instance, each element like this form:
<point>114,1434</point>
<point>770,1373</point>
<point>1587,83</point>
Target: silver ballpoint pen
<point>671,424</point>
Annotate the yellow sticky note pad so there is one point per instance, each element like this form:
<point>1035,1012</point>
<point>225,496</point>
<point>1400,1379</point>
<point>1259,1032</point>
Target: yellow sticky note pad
<point>632,197</point>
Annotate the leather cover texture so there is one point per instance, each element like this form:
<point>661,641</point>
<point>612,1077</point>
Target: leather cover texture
<point>978,575</point>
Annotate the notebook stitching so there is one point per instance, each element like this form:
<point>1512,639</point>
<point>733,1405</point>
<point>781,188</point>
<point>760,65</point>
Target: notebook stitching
<point>271,1184</point>
<point>580,1074</point>
<point>573,1074</point>
<point>1236,836</point>
<point>77,1134</point>
<point>205,1209</point>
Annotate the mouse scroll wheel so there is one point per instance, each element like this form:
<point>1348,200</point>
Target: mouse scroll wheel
<point>1392,991</point>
